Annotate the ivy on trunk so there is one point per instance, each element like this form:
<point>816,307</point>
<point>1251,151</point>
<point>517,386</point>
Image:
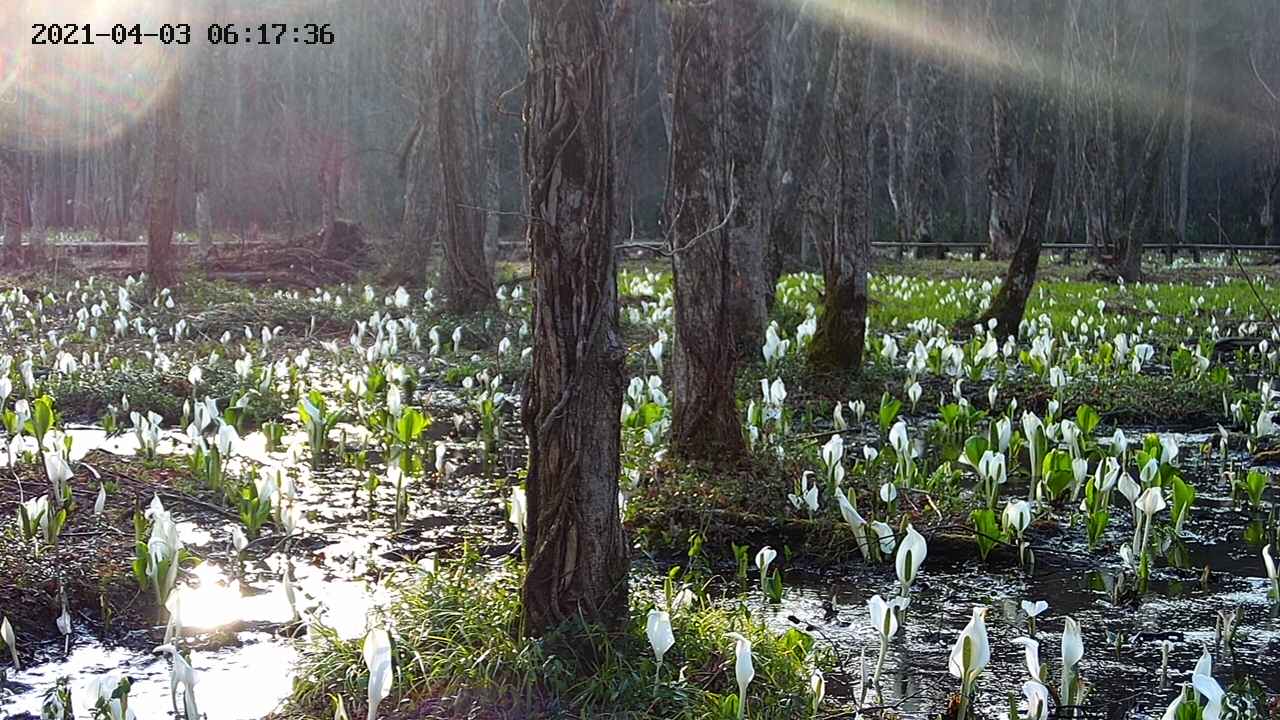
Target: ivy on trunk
<point>574,542</point>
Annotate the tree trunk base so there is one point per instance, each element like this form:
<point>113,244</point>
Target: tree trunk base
<point>840,339</point>
<point>344,241</point>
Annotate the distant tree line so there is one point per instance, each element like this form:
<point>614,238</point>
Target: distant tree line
<point>1165,127</point>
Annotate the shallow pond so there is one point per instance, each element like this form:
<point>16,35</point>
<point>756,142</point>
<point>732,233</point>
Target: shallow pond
<point>241,623</point>
<point>238,618</point>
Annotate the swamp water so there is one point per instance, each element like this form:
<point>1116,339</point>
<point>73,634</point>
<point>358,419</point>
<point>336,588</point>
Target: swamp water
<point>243,632</point>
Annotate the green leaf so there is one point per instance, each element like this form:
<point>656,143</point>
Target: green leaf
<point>987,531</point>
<point>1184,495</point>
<point>42,415</point>
<point>1256,483</point>
<point>410,426</point>
<point>974,448</point>
<point>889,407</point>
<point>1057,472</point>
<point>1088,419</point>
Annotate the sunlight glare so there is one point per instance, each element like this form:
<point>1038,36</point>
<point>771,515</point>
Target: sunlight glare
<point>943,37</point>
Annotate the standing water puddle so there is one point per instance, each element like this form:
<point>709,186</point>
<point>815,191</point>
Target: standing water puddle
<point>243,634</point>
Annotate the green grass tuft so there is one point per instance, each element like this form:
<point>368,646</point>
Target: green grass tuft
<point>459,652</point>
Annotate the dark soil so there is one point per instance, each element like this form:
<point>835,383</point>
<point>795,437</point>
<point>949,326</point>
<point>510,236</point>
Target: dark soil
<point>92,561</point>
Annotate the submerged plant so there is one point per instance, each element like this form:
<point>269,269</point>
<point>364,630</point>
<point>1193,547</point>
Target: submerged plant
<point>147,430</point>
<point>1149,503</point>
<point>986,531</point>
<point>1255,483</point>
<point>33,519</point>
<point>488,403</point>
<point>57,702</point>
<point>1016,519</point>
<point>256,503</point>
<point>111,698</point>
<point>1033,610</point>
<point>805,496</point>
<point>765,558</point>
<point>518,511</point>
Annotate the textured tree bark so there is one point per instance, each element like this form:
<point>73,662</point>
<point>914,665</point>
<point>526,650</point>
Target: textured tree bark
<point>1010,303</point>
<point>624,90</point>
<point>1003,218</point>
<point>799,158</point>
<point>467,277</point>
<point>1147,180</point>
<point>419,222</point>
<point>1190,61</point>
<point>841,334</point>
<point>162,206</point>
<point>574,542</point>
<point>488,58</point>
<point>705,418</point>
<point>749,94</point>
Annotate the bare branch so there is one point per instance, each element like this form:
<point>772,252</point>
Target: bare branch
<point>1254,66</point>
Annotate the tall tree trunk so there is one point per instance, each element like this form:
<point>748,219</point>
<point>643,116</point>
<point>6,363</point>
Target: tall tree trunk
<point>574,542</point>
<point>1010,302</point>
<point>330,189</point>
<point>1040,148</point>
<point>1003,219</point>
<point>1273,206</point>
<point>1190,60</point>
<point>467,276</point>
<point>162,207</point>
<point>419,220</point>
<point>749,91</point>
<point>204,222</point>
<point>663,59</point>
<point>841,334</point>
<point>11,200</point>
<point>799,159</point>
<point>1145,189</point>
<point>968,134</point>
<point>624,91</point>
<point>489,58</point>
<point>705,418</point>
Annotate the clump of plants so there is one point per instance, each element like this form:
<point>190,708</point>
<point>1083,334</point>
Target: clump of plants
<point>458,647</point>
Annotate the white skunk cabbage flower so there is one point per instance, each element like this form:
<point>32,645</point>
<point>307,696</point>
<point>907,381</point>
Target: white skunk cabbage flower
<point>972,651</point>
<point>658,629</point>
<point>11,642</point>
<point>519,510</point>
<point>377,658</point>
<point>911,554</point>
<point>764,558</point>
<point>743,670</point>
